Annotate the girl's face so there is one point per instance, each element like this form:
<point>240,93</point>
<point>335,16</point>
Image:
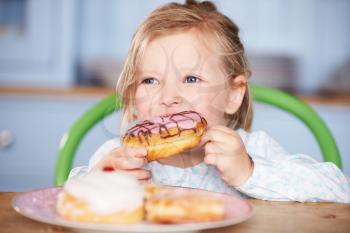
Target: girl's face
<point>178,72</point>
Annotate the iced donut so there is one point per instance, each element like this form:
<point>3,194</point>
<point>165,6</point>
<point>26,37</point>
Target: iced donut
<point>165,136</point>
<point>102,197</point>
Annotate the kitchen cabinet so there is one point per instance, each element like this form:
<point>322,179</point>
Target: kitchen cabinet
<point>37,125</point>
<point>37,46</point>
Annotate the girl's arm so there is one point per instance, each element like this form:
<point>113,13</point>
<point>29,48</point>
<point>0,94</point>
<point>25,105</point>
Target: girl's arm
<point>111,156</point>
<point>278,176</point>
<point>95,158</point>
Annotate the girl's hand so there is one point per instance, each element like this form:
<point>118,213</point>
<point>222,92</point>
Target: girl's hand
<point>225,150</point>
<point>126,159</point>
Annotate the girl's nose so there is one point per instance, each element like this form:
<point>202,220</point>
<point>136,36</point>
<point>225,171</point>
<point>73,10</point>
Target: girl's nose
<point>172,101</point>
<point>170,97</point>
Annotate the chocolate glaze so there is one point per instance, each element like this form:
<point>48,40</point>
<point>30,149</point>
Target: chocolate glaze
<point>144,129</point>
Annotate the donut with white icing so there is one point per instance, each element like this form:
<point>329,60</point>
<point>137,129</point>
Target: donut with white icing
<point>102,197</point>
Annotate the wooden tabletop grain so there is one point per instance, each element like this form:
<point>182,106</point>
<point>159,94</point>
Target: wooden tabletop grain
<point>269,217</point>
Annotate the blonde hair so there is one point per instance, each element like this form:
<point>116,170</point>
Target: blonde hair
<point>205,17</point>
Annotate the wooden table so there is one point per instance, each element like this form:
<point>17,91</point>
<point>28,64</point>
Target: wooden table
<point>269,217</point>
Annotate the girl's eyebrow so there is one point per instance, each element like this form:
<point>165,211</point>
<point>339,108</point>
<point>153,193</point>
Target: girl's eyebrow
<point>148,72</point>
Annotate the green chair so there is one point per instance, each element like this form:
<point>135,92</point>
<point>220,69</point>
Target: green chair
<point>277,98</point>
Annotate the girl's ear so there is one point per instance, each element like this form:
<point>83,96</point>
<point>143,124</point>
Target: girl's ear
<point>236,89</point>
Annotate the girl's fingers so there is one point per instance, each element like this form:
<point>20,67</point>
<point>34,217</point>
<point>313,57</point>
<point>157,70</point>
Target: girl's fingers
<point>123,162</point>
<point>125,158</point>
<point>220,153</point>
<point>143,182</point>
<point>227,143</point>
<point>211,159</point>
<point>139,152</point>
<point>214,134</point>
<point>105,162</point>
<point>140,174</point>
<point>217,148</point>
<point>128,162</point>
<point>129,151</point>
<point>219,161</point>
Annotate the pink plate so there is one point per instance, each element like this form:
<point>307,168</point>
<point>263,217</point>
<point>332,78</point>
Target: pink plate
<point>40,206</point>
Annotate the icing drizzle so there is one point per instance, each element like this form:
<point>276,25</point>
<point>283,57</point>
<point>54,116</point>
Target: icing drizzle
<point>183,121</point>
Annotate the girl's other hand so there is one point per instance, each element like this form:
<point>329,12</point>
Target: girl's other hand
<point>225,150</point>
<point>129,160</point>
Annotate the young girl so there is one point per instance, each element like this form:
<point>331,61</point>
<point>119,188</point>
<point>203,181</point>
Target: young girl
<point>190,57</point>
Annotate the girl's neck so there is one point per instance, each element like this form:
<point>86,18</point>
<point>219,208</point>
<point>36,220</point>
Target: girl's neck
<point>185,159</point>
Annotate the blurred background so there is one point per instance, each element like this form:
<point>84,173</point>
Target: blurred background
<point>59,57</point>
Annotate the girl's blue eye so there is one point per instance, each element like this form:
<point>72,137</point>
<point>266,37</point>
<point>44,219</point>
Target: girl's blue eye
<point>150,81</point>
<point>192,79</point>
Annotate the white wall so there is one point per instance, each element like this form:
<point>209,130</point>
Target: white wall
<point>315,32</point>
